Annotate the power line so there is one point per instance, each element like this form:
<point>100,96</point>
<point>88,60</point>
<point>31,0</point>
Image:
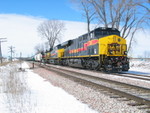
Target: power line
<point>1,40</point>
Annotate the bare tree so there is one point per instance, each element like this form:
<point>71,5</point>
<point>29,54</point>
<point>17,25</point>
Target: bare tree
<point>51,30</point>
<point>121,14</point>
<point>87,11</point>
<point>146,5</point>
<point>146,11</point>
<point>100,8</point>
<point>39,48</point>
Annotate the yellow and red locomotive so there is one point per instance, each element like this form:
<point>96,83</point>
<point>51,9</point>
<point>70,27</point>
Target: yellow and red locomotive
<point>101,49</point>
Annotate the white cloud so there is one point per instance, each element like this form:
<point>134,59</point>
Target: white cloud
<point>142,43</point>
<point>74,29</point>
<point>21,32</point>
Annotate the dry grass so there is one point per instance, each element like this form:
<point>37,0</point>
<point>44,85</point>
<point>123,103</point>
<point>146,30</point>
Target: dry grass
<point>8,62</point>
<point>14,85</point>
<point>14,82</point>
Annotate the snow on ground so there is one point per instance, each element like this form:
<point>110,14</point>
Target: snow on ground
<point>140,66</point>
<point>27,92</point>
<point>38,96</point>
<point>95,98</point>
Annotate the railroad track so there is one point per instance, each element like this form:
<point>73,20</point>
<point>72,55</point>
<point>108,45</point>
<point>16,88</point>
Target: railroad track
<point>123,74</point>
<point>140,95</point>
<point>129,75</point>
<point>135,76</point>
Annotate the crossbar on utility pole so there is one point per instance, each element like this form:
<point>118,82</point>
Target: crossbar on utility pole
<point>1,40</point>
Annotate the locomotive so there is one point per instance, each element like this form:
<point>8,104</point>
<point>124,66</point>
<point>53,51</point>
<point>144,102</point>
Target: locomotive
<point>101,49</point>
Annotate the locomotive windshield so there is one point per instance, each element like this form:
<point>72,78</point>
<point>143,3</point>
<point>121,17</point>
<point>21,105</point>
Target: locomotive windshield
<point>105,32</point>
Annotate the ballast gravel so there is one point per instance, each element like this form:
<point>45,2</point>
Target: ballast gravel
<point>99,100</point>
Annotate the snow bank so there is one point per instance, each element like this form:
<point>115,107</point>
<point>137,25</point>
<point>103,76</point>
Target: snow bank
<point>140,66</point>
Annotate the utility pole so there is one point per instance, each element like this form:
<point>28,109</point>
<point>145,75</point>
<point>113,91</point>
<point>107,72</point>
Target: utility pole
<point>1,40</point>
<point>20,60</point>
<point>11,52</point>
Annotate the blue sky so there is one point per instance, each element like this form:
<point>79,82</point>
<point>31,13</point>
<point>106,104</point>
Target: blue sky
<point>50,9</point>
<point>19,20</point>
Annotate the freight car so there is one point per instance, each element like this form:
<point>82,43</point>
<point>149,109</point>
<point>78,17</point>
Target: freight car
<point>101,49</point>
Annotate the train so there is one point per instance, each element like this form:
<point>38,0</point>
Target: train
<point>101,49</point>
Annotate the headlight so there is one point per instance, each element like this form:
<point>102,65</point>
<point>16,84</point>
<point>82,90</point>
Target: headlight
<point>125,52</point>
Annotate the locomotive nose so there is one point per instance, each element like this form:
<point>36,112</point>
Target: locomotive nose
<point>116,39</point>
<point>117,46</point>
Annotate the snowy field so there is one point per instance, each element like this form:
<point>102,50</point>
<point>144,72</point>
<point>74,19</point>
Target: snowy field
<point>26,92</point>
<point>140,66</point>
